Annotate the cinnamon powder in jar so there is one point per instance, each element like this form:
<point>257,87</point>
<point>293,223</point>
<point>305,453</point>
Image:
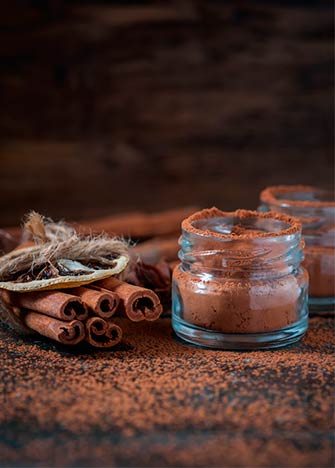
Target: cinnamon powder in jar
<point>315,209</point>
<point>240,284</point>
<point>320,264</point>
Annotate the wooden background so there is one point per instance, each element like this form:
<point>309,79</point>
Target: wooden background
<point>115,106</point>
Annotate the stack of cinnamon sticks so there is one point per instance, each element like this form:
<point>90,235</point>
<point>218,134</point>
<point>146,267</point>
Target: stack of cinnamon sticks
<point>87,313</point>
<point>84,313</point>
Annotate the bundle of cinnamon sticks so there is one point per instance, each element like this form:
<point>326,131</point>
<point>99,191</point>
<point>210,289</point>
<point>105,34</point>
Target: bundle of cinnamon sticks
<point>84,313</point>
<point>87,313</point>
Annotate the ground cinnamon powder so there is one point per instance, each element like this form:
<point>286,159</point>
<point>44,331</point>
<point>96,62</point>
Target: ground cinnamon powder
<point>154,401</point>
<point>282,195</point>
<point>317,209</point>
<point>190,224</point>
<point>240,307</point>
<point>240,304</point>
<point>320,264</point>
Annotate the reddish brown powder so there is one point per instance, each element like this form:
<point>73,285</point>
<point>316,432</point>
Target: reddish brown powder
<point>240,306</point>
<point>157,402</point>
<point>235,302</point>
<point>189,223</point>
<point>275,195</point>
<point>320,264</point>
<point>319,253</point>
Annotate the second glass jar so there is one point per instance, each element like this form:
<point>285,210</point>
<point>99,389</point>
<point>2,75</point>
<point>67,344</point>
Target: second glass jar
<point>315,209</point>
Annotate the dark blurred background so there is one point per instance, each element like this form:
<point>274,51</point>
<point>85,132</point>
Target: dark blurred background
<point>115,106</point>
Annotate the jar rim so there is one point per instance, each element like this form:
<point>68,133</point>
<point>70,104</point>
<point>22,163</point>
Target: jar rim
<point>271,194</point>
<point>210,213</point>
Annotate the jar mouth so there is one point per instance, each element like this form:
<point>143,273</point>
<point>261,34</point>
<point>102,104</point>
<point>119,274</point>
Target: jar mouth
<point>298,196</point>
<point>240,224</point>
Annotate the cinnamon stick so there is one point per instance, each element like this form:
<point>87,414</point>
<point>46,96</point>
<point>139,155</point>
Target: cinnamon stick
<point>102,302</point>
<point>149,276</point>
<point>154,250</point>
<point>102,333</point>
<point>155,277</point>
<point>69,333</point>
<point>7,242</point>
<point>15,232</point>
<point>139,225</point>
<point>55,304</point>
<point>136,302</point>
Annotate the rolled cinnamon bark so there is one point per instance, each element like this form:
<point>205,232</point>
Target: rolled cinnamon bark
<point>149,276</point>
<point>154,250</point>
<point>101,333</point>
<point>7,242</point>
<point>136,302</point>
<point>69,333</point>
<point>102,302</point>
<point>139,225</point>
<point>55,304</point>
<point>15,232</point>
<point>154,277</point>
<point>136,225</point>
<point>13,317</point>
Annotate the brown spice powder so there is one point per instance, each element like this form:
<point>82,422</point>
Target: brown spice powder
<point>240,306</point>
<point>320,264</point>
<point>237,303</point>
<point>188,224</point>
<point>156,402</point>
<point>319,260</point>
<point>280,194</point>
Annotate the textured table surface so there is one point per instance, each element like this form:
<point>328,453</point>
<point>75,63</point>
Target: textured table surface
<point>157,402</point>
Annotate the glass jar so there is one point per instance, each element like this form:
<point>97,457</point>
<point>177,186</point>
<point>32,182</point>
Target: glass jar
<point>240,284</point>
<point>315,209</point>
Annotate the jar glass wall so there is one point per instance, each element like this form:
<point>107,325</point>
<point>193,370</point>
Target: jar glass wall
<point>315,208</point>
<point>240,284</point>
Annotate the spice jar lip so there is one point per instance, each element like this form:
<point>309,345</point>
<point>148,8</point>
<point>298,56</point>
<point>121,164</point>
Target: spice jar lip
<point>271,195</point>
<point>188,224</point>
